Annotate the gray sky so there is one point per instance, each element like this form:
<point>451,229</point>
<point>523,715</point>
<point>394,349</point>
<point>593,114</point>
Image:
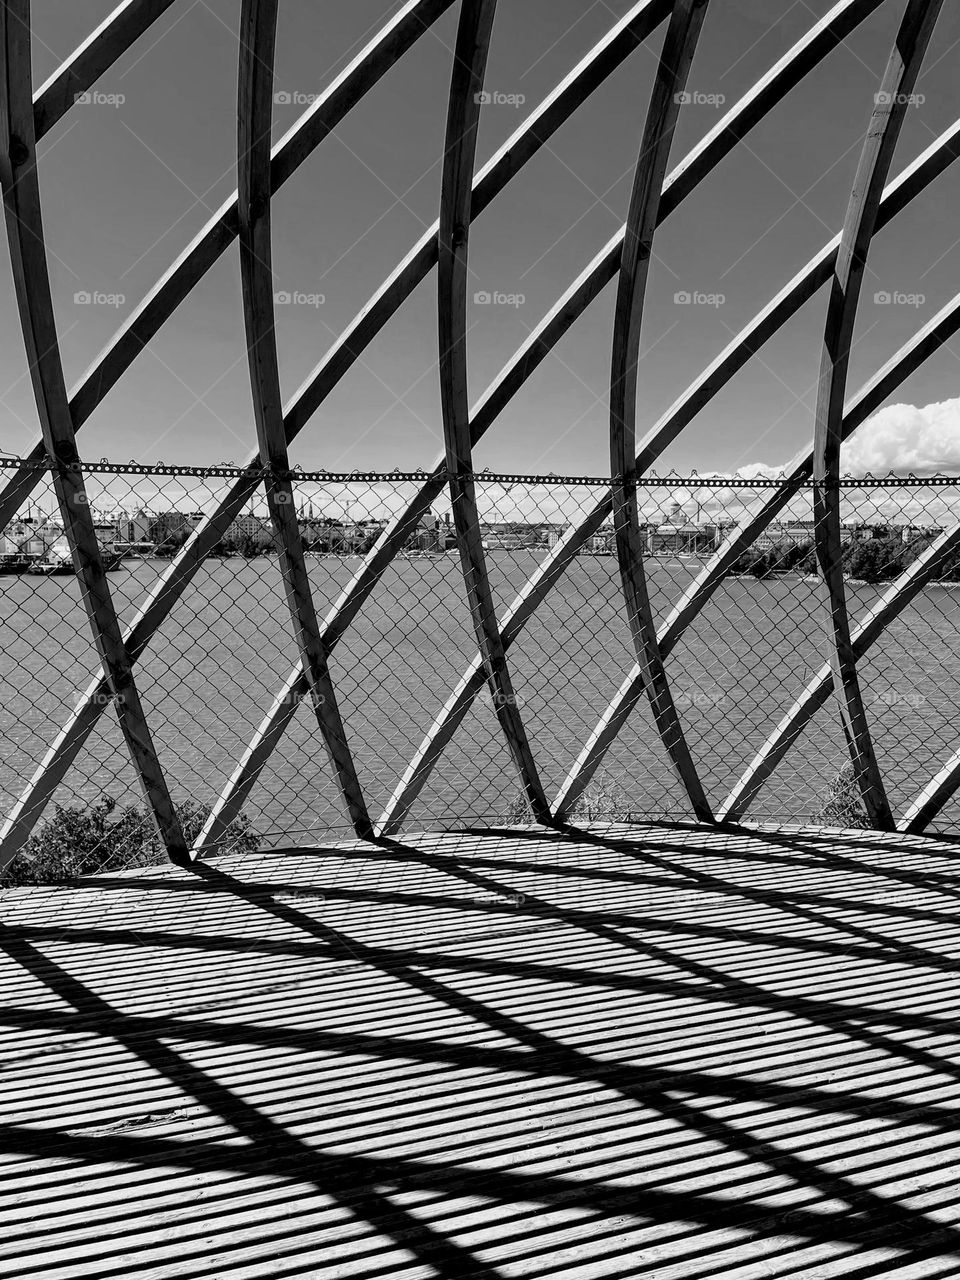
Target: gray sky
<point>127,184</point>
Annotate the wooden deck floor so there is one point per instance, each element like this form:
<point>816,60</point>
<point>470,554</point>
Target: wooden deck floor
<point>661,1052</point>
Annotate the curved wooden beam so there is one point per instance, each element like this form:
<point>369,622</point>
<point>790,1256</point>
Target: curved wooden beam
<point>90,60</point>
<point>675,60</point>
<point>369,66</point>
<point>872,397</point>
<point>258,32</point>
<point>459,156</point>
<point>22,207</point>
<point>914,179</point>
<point>859,223</point>
<point>818,690</point>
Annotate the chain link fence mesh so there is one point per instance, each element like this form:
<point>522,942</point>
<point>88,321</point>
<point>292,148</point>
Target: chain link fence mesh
<point>212,669</point>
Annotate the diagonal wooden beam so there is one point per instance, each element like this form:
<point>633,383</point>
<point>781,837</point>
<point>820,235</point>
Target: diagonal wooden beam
<point>90,60</point>
<point>941,788</point>
<point>894,600</point>
<point>889,112</point>
<point>673,68</point>
<point>258,33</point>
<point>22,208</point>
<point>460,149</point>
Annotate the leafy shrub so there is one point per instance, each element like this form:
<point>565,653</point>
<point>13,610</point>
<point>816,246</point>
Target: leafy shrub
<point>600,802</point>
<point>844,804</point>
<point>82,840</point>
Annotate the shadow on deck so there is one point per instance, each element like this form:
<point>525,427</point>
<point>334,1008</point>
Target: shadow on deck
<point>660,1051</point>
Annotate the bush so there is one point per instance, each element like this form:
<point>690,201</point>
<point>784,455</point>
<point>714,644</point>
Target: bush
<point>600,802</point>
<point>844,805</point>
<point>83,840</point>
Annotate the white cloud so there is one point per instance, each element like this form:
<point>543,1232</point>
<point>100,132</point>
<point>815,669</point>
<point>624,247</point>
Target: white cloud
<point>904,438</point>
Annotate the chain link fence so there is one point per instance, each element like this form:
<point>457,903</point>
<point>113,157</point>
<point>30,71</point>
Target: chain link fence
<point>225,649</point>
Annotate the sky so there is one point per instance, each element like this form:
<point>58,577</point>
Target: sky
<point>129,178</point>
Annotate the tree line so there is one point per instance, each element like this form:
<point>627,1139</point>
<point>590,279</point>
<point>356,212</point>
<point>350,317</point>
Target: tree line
<point>879,558</point>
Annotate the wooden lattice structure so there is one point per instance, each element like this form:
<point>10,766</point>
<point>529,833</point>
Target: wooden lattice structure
<point>26,115</point>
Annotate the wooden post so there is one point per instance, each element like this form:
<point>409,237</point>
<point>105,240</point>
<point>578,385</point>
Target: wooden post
<point>675,59</point>
<point>875,159</point>
<point>460,145</point>
<point>21,199</point>
<point>258,27</point>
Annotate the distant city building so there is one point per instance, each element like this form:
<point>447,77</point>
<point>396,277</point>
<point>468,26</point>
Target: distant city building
<point>256,527</point>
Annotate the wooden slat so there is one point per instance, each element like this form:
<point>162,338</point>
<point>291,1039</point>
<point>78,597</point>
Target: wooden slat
<point>118,32</point>
<point>459,156</point>
<point>21,197</point>
<point>688,1053</point>
<point>258,28</point>
<point>676,58</point>
<point>889,112</point>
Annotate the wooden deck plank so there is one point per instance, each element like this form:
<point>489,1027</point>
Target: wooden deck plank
<point>663,1051</point>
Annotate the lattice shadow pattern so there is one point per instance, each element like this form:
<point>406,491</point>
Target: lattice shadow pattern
<point>662,699</point>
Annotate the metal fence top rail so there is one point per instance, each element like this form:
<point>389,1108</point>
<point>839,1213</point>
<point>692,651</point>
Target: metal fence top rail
<point>650,480</point>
